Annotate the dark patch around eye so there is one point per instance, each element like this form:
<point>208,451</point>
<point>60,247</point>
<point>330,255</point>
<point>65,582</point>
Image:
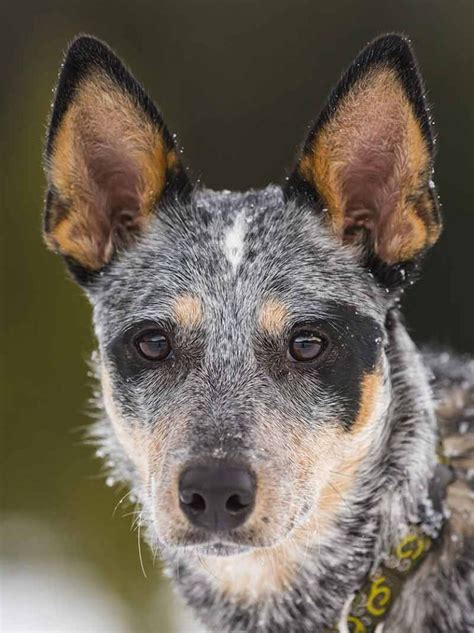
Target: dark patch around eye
<point>125,352</point>
<point>355,346</point>
<point>359,341</point>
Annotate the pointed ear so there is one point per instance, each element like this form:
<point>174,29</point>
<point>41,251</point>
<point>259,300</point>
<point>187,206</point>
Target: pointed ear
<point>368,161</point>
<point>109,158</point>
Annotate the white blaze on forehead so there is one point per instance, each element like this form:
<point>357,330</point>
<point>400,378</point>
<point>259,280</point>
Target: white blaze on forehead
<point>234,241</point>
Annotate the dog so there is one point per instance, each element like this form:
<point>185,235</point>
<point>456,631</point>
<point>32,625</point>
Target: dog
<point>298,463</point>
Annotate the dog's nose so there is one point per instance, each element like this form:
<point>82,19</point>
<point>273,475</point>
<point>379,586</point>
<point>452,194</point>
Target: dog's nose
<point>218,496</point>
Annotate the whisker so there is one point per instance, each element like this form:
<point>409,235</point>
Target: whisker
<point>136,521</point>
<point>155,554</point>
<point>336,472</point>
<point>339,495</point>
<point>121,501</point>
<point>318,535</point>
<point>177,566</point>
<point>131,513</point>
<point>203,565</point>
<point>272,560</point>
<point>305,551</point>
<point>140,549</point>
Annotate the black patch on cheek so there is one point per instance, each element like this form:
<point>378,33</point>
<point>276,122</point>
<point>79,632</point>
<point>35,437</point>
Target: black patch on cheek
<point>358,346</point>
<point>356,343</point>
<point>151,388</point>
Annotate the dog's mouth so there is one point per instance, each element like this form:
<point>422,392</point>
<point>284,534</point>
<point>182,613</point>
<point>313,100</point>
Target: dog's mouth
<point>226,543</point>
<point>266,532</point>
<point>215,548</point>
<point>231,543</point>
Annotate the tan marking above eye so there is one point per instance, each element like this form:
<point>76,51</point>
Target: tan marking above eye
<point>187,310</point>
<point>272,316</point>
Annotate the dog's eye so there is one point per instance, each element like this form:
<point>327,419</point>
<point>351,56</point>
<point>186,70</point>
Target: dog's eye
<point>153,345</point>
<point>306,346</point>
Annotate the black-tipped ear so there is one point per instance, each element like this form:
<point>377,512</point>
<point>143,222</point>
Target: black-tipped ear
<point>368,160</point>
<point>109,158</point>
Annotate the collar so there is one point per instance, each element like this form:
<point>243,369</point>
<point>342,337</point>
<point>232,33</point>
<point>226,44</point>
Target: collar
<point>372,603</point>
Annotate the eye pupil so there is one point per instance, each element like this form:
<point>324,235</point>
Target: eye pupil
<point>153,345</point>
<point>306,346</point>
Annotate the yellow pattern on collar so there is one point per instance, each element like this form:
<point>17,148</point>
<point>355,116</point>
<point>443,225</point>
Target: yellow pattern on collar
<point>373,601</point>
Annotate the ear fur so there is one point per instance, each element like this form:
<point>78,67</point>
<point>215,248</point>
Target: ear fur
<point>368,161</point>
<point>109,159</point>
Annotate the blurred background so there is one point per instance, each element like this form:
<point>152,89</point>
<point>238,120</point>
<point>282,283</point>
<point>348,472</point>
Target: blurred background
<point>239,81</point>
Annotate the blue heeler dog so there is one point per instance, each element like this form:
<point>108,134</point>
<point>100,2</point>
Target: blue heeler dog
<point>297,462</point>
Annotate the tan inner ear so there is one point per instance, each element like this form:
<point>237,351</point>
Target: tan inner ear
<point>371,164</point>
<point>104,144</point>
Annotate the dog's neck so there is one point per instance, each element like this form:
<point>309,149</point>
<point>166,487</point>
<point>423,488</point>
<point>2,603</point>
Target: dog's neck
<point>305,582</point>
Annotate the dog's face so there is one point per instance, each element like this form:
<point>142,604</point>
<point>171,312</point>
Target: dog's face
<point>241,336</point>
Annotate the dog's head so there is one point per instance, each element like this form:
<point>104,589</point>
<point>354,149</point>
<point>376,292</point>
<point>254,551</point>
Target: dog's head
<point>242,335</point>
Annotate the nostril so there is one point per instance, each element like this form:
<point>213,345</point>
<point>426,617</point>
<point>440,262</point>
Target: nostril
<point>236,504</point>
<point>194,501</point>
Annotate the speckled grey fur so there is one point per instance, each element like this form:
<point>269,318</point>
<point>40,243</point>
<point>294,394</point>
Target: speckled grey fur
<point>204,267</point>
<point>297,259</point>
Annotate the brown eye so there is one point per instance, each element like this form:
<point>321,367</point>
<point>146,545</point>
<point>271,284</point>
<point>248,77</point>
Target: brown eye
<point>153,345</point>
<point>306,346</point>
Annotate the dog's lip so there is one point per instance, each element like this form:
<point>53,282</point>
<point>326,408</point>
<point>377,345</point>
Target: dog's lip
<point>214,548</point>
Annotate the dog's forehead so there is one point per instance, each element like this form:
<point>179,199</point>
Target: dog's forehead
<point>229,253</point>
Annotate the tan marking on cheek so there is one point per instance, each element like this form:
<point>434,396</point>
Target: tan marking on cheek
<point>340,481</point>
<point>187,311</point>
<point>172,525</point>
<point>272,316</point>
<point>145,449</point>
<point>369,391</point>
<point>350,449</point>
<point>149,452</point>
<point>133,438</point>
